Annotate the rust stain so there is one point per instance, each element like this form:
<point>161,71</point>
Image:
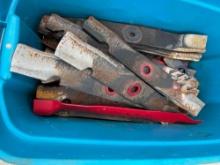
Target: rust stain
<point>50,42</point>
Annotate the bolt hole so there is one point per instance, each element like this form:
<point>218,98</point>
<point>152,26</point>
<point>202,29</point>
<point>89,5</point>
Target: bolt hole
<point>134,89</point>
<point>132,34</point>
<point>110,90</point>
<point>146,70</point>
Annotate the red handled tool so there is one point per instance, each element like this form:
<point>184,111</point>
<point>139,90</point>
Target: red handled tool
<point>52,107</point>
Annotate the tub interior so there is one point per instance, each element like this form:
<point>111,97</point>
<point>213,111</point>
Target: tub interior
<point>27,135</point>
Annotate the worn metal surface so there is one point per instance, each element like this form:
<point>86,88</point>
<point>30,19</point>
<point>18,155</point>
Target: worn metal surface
<point>54,23</point>
<point>69,95</point>
<point>138,36</point>
<point>56,26</point>
<point>182,66</point>
<point>145,36</point>
<point>187,56</point>
<point>143,67</point>
<point>109,72</point>
<point>48,68</point>
<point>188,83</point>
<point>155,38</point>
<point>158,42</point>
<point>176,64</point>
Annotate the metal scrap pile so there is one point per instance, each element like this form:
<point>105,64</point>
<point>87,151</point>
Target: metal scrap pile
<point>115,71</point>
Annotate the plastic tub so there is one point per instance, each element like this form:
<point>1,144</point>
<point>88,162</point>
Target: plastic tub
<point>26,138</point>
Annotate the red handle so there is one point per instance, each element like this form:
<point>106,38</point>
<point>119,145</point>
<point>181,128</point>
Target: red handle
<point>50,107</point>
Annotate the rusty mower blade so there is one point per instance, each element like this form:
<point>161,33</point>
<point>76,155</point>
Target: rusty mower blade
<point>142,66</point>
<point>48,68</point>
<point>111,73</point>
<point>69,95</point>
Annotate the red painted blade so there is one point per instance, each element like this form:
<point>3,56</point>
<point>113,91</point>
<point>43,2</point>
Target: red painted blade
<point>51,107</point>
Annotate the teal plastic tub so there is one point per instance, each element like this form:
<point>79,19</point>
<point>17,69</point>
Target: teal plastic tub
<point>29,139</point>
